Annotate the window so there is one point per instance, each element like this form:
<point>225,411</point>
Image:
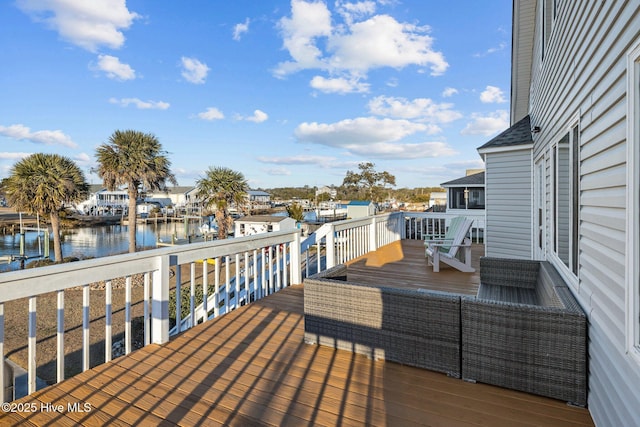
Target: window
<point>565,163</point>
<point>632,278</point>
<point>466,198</point>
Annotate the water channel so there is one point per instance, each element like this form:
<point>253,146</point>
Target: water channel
<point>93,242</point>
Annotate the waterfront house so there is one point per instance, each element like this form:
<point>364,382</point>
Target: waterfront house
<point>465,193</point>
<point>437,201</point>
<point>256,224</point>
<point>562,184</point>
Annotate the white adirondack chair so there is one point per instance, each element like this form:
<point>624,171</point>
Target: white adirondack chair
<point>445,249</point>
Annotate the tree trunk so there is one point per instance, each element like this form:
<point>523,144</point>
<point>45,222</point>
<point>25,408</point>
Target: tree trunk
<point>133,195</point>
<point>55,228</point>
<point>221,220</point>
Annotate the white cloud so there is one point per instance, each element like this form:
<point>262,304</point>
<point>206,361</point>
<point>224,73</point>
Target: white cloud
<point>47,137</point>
<point>308,21</point>
<point>211,114</point>
<point>421,109</point>
<point>88,24</point>
<point>492,50</point>
<point>83,158</point>
<point>13,156</point>
<point>339,85</point>
<point>303,159</point>
<point>361,43</point>
<point>449,92</point>
<point>142,105</point>
<point>278,172</point>
<point>487,124</point>
<point>356,10</point>
<point>193,70</point>
<point>258,117</point>
<point>398,151</point>
<point>381,41</point>
<point>240,29</point>
<point>360,131</point>
<point>492,94</point>
<point>114,69</point>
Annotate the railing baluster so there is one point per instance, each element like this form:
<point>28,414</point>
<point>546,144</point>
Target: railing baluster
<point>227,284</point>
<point>178,298</point>
<point>86,345</point>
<point>205,288</point>
<point>192,292</point>
<point>127,316</point>
<point>59,338</point>
<point>306,264</point>
<point>263,268</point>
<point>31,346</point>
<point>278,283</point>
<point>108,346</point>
<point>145,305</point>
<point>247,291</point>
<point>271,285</point>
<point>285,275</point>
<point>256,285</point>
<point>216,290</point>
<point>237,276</point>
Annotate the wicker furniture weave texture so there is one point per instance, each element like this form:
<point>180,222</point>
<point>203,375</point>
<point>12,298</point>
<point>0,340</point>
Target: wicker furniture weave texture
<point>525,331</point>
<point>413,327</point>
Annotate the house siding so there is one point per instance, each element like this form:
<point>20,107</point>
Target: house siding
<point>508,204</point>
<point>583,75</point>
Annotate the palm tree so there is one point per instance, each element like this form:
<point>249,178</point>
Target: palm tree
<point>133,159</point>
<point>220,187</point>
<point>43,184</point>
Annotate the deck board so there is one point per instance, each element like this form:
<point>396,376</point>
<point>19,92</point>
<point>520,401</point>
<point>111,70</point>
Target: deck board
<point>403,264</point>
<point>251,367</point>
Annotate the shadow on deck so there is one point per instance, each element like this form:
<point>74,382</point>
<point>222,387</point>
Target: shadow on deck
<point>251,367</point>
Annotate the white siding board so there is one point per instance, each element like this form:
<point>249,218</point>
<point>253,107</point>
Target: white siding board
<point>605,197</point>
<point>613,157</point>
<point>612,177</point>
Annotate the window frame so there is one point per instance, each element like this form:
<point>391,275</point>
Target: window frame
<point>572,134</point>
<point>632,261</point>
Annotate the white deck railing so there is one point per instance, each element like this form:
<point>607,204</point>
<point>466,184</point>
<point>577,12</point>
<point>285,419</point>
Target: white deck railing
<point>253,266</point>
<point>258,266</point>
<point>341,241</point>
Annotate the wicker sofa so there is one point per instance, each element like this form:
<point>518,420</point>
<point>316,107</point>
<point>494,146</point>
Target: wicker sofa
<point>525,331</point>
<point>410,326</point>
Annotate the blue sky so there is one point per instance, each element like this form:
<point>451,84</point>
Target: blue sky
<point>288,92</point>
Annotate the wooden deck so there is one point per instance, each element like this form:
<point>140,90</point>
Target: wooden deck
<point>251,367</point>
<point>403,264</point>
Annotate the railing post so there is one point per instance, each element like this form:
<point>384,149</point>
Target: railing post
<point>160,301</point>
<point>296,271</point>
<point>330,248</point>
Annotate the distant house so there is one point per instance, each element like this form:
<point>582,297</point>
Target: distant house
<point>257,224</point>
<point>438,201</point>
<point>360,209</point>
<point>332,192</point>
<point>465,193</point>
<point>563,182</point>
<point>259,199</point>
<point>175,196</point>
